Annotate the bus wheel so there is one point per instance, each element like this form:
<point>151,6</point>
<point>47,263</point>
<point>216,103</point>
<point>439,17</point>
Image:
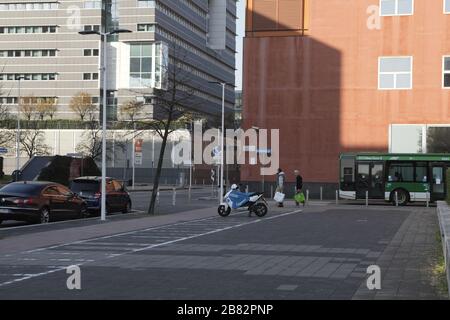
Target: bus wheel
<point>403,197</point>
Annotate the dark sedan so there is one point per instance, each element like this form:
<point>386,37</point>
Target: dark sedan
<point>89,188</point>
<point>42,202</point>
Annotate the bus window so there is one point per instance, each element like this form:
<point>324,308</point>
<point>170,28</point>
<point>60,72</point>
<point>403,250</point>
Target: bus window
<point>421,172</point>
<point>401,172</point>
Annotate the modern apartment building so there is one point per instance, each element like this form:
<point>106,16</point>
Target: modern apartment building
<point>337,76</point>
<point>40,43</point>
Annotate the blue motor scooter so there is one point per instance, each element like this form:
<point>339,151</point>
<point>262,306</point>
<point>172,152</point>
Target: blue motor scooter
<point>254,202</point>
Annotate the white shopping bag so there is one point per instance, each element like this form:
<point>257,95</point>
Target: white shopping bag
<point>279,197</point>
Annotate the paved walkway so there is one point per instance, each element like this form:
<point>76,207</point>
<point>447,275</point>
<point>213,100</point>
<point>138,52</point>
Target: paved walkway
<point>407,262</point>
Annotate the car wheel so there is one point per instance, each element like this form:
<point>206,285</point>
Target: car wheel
<point>84,213</point>
<point>127,208</point>
<point>403,197</point>
<point>44,216</point>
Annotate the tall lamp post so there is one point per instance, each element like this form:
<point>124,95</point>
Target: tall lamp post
<point>18,130</point>
<point>103,68</point>
<point>223,84</point>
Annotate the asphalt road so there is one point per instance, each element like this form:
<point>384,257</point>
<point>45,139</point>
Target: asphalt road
<point>321,252</point>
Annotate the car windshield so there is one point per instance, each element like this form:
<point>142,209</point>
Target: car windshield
<point>84,186</point>
<point>21,188</point>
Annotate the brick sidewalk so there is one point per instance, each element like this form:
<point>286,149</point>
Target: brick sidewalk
<point>407,262</point>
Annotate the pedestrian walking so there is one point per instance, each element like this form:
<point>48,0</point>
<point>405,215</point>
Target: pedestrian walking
<point>279,195</point>
<point>299,196</point>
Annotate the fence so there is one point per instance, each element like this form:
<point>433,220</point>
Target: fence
<point>443,211</point>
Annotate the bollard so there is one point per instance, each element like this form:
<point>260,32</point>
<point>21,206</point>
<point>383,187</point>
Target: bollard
<point>321,198</point>
<point>174,196</point>
<point>337,197</point>
<point>396,198</point>
<point>307,197</point>
<point>189,194</point>
<point>203,181</point>
<point>428,199</point>
<point>246,188</point>
<point>157,197</point>
<point>367,198</point>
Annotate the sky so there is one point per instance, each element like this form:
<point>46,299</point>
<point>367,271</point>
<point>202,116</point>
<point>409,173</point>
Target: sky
<point>240,31</point>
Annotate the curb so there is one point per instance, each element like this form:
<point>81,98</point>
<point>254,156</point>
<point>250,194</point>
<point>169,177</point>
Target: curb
<point>443,211</point>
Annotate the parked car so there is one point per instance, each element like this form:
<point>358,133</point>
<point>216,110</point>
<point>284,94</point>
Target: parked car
<point>89,189</point>
<point>42,202</point>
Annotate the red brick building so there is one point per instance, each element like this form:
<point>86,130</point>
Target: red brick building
<point>337,76</point>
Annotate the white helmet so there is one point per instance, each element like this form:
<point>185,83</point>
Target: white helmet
<point>234,186</point>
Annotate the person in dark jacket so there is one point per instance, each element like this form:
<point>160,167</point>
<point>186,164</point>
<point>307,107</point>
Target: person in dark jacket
<point>298,184</point>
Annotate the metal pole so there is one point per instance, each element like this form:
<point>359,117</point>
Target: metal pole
<point>321,194</point>
<point>428,199</point>
<point>189,194</point>
<point>104,67</point>
<point>307,196</point>
<point>396,198</point>
<point>221,143</point>
<point>18,135</point>
<point>367,198</point>
<point>337,197</point>
<point>134,156</point>
<point>174,196</point>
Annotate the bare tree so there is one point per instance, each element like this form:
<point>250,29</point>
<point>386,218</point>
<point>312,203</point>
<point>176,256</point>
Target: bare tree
<point>438,140</point>
<point>82,105</point>
<point>32,139</point>
<point>131,110</point>
<point>91,144</point>
<point>46,107</point>
<point>172,107</point>
<point>6,136</point>
<point>28,107</point>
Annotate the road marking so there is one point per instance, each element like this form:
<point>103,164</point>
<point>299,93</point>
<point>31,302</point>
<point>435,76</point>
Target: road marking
<point>115,255</point>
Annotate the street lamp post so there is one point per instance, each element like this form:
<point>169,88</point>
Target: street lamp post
<point>18,131</point>
<point>223,84</point>
<point>103,69</point>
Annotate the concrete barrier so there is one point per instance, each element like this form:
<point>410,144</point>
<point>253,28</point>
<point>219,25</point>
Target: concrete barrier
<point>443,210</point>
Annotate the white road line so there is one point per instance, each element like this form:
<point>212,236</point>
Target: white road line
<point>148,247</point>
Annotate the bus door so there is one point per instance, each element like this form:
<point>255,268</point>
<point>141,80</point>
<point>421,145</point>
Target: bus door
<point>370,177</point>
<point>438,181</point>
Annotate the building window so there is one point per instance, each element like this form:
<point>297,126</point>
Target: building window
<point>94,27</point>
<point>28,53</point>
<point>140,65</point>
<point>27,76</point>
<point>146,3</point>
<point>395,73</point>
<point>28,29</point>
<point>90,76</point>
<point>447,6</point>
<point>396,7</point>
<point>90,52</point>
<point>27,6</point>
<point>146,27</point>
<point>446,72</point>
<point>92,4</point>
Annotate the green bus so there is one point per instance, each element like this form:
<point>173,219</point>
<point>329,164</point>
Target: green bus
<point>394,177</point>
